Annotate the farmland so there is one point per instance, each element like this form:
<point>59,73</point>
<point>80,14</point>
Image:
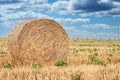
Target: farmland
<point>89,59</point>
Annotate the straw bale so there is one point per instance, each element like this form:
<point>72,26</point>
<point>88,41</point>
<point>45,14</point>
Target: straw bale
<point>41,41</point>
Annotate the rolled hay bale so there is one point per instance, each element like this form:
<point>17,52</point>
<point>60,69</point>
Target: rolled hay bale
<point>41,41</point>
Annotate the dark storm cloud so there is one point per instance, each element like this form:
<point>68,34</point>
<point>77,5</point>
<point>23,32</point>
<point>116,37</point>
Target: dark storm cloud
<point>116,0</point>
<point>91,5</point>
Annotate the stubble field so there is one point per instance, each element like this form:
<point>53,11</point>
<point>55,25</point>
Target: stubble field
<point>89,59</point>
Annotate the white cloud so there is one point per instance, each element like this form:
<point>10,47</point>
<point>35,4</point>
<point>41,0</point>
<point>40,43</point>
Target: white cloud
<point>95,26</point>
<point>62,7</point>
<point>10,6</point>
<point>35,1</point>
<point>105,35</point>
<point>12,19</point>
<point>70,20</point>
<point>114,13</point>
<point>69,28</point>
<point>75,33</point>
<point>117,3</point>
<point>41,6</point>
<point>105,0</point>
<point>23,16</point>
<point>59,5</point>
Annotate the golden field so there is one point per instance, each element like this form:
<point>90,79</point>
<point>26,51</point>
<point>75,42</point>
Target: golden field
<point>89,59</point>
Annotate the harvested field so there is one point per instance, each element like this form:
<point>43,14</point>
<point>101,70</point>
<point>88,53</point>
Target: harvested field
<point>90,59</point>
<point>81,72</point>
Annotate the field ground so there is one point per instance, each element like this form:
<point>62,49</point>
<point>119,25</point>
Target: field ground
<point>89,59</point>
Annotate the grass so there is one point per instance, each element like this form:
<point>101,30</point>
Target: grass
<point>75,51</point>
<point>118,61</point>
<point>89,59</point>
<point>2,52</point>
<point>60,63</point>
<point>8,65</point>
<point>34,65</point>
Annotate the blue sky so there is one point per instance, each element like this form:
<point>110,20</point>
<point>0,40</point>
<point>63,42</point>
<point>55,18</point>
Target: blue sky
<point>80,18</point>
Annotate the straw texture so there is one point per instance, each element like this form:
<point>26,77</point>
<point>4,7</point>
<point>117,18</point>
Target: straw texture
<point>41,41</point>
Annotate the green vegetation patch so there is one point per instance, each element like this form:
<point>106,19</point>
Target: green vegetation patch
<point>94,60</point>
<point>36,65</point>
<point>61,63</point>
<point>2,52</point>
<point>118,61</point>
<point>7,65</point>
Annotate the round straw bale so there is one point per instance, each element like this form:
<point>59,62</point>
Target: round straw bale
<point>38,41</point>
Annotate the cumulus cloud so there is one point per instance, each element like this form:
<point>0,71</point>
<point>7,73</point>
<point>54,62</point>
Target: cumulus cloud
<point>20,1</point>
<point>24,6</point>
<point>8,1</point>
<point>70,20</point>
<point>87,7</point>
<point>14,18</point>
<point>63,7</point>
<point>34,1</point>
<point>75,33</point>
<point>114,13</point>
<point>59,5</point>
<point>24,16</point>
<point>102,26</point>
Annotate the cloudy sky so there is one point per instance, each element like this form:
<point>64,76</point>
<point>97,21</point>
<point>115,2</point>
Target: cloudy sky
<point>80,18</point>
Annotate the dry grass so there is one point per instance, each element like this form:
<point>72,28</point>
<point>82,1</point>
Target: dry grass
<point>84,72</point>
<point>79,65</point>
